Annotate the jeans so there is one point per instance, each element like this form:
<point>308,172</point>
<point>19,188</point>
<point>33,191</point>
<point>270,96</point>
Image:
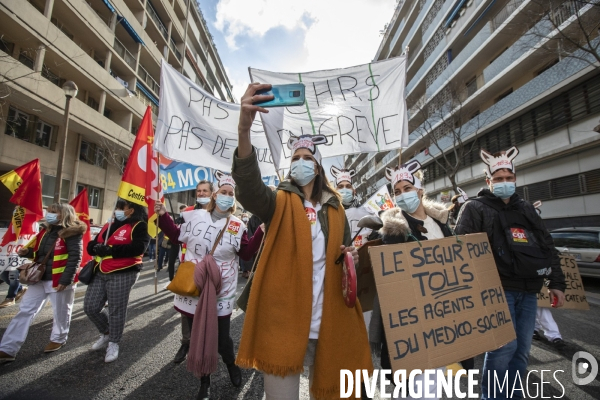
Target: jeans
<point>162,256</point>
<point>11,278</point>
<point>511,359</point>
<point>152,250</point>
<point>173,254</point>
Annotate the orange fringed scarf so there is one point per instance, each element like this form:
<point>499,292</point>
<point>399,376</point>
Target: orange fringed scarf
<point>277,323</point>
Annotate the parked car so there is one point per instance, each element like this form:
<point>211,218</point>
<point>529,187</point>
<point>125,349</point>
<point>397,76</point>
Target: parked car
<point>583,244</point>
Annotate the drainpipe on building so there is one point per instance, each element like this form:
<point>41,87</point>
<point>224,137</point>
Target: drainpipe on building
<point>76,168</point>
<point>185,29</point>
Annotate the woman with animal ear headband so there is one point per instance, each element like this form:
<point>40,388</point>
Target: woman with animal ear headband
<point>296,315</point>
<point>415,218</point>
<point>206,325</point>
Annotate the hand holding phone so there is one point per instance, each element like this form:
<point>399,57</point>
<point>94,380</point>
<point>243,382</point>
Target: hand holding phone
<point>283,95</point>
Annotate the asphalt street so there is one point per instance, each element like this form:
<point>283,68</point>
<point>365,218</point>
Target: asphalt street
<point>145,369</point>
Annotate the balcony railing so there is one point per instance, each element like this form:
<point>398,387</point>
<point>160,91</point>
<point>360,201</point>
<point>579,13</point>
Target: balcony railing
<point>152,84</point>
<point>125,54</point>
<point>506,12</point>
<point>146,100</point>
<point>157,21</point>
<point>174,48</point>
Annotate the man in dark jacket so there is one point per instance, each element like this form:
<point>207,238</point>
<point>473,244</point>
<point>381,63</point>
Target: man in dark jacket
<point>512,225</point>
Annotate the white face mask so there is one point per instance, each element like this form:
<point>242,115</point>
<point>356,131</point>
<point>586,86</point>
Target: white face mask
<point>203,200</point>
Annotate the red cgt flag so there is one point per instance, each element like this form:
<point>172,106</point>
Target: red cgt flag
<point>25,183</point>
<point>140,183</point>
<point>81,206</point>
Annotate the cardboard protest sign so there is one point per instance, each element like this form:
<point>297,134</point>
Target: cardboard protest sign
<point>574,294</point>
<point>365,281</point>
<point>360,109</point>
<point>379,201</point>
<point>195,127</point>
<point>441,301</point>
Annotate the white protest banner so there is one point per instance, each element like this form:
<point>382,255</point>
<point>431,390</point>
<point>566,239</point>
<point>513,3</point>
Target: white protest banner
<point>197,128</point>
<point>379,201</point>
<point>575,298</point>
<point>360,109</point>
<point>441,300</point>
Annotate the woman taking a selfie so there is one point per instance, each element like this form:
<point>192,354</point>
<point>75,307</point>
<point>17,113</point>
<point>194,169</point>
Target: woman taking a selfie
<point>207,325</point>
<point>296,315</point>
<point>60,246</point>
<point>120,263</point>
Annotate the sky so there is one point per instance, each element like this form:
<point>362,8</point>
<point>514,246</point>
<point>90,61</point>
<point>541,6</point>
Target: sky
<point>295,36</point>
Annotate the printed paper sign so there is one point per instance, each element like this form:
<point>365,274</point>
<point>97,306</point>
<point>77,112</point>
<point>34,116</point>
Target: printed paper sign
<point>8,252</point>
<point>441,301</point>
<point>360,109</point>
<point>380,201</point>
<point>574,294</point>
<point>197,128</point>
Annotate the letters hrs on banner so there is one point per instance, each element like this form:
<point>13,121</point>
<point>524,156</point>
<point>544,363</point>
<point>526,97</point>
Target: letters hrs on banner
<point>140,181</point>
<point>360,109</point>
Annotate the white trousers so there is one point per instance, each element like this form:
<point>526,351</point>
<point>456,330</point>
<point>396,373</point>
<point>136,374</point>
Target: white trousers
<point>31,304</point>
<point>288,388</point>
<point>544,322</point>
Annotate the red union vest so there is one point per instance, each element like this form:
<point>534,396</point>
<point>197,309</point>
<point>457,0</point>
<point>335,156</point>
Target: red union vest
<point>121,236</point>
<point>59,261</point>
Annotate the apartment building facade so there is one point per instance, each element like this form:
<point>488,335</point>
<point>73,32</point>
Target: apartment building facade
<point>112,50</point>
<point>489,57</point>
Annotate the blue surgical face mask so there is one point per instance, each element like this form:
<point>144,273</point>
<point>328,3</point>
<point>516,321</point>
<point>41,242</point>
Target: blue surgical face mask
<point>120,215</point>
<point>347,196</point>
<point>225,202</point>
<point>51,218</point>
<point>408,201</point>
<point>504,190</point>
<point>203,200</point>
<point>303,171</point>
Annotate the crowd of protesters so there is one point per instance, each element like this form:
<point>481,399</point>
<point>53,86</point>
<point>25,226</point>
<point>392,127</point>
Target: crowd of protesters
<point>295,314</point>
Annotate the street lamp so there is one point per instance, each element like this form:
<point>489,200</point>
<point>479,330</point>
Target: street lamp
<point>70,89</point>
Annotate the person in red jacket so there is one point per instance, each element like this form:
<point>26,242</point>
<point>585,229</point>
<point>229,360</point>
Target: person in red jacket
<point>119,264</point>
<point>60,243</point>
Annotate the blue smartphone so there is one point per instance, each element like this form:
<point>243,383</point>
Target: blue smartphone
<point>284,95</point>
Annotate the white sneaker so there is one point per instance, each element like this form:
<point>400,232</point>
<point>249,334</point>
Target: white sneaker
<point>112,352</point>
<point>101,343</point>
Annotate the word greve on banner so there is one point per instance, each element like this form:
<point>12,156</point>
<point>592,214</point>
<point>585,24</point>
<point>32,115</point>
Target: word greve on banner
<point>197,128</point>
<point>359,109</point>
<point>441,301</point>
<point>574,293</point>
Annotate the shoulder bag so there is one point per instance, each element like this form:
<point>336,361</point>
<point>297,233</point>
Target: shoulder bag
<point>31,273</point>
<point>183,282</point>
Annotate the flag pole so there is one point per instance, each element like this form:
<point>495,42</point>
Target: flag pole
<point>156,238</point>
